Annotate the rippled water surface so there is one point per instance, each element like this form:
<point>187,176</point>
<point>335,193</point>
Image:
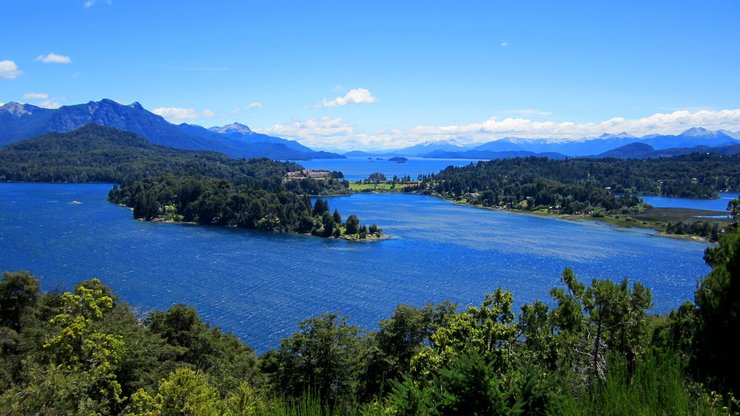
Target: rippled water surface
<point>260,285</point>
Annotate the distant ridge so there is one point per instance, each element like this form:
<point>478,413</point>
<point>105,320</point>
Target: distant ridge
<point>584,147</point>
<point>95,153</point>
<point>638,150</point>
<point>24,121</point>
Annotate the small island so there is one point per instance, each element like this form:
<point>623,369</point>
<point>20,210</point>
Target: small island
<point>398,159</point>
<point>211,201</point>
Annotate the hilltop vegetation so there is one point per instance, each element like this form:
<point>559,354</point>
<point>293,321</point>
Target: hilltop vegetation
<point>591,349</point>
<point>102,154</point>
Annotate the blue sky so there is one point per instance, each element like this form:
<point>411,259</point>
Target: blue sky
<point>346,74</point>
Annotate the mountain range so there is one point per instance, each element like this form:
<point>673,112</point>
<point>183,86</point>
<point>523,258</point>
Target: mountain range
<point>693,140</point>
<point>24,121</point>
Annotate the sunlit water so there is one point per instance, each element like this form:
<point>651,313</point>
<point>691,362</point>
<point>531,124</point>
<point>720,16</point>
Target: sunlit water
<point>260,285</point>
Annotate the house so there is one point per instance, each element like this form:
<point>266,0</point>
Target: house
<point>307,174</point>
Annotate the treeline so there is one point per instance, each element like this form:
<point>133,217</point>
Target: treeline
<point>95,153</point>
<point>709,230</point>
<point>220,202</point>
<point>584,185</point>
<point>596,350</point>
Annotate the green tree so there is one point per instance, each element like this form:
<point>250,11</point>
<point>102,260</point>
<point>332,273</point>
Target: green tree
<point>323,358</point>
<point>590,321</point>
<point>353,224</point>
<point>19,292</point>
<point>328,221</point>
<point>337,217</point>
<point>718,308</point>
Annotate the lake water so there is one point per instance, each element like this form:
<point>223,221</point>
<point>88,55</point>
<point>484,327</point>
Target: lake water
<point>357,168</point>
<point>260,285</point>
<point>719,204</point>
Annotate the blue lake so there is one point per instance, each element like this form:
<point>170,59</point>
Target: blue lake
<point>719,204</point>
<point>260,285</point>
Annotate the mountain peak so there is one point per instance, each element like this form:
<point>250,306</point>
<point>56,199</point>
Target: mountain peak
<point>697,132</point>
<point>622,135</point>
<point>136,105</point>
<point>17,109</point>
<point>232,128</point>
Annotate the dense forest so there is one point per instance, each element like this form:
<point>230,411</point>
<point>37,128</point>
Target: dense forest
<point>267,207</point>
<point>576,186</point>
<point>102,154</point>
<point>592,349</point>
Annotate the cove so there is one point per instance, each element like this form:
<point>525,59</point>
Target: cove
<point>260,285</point>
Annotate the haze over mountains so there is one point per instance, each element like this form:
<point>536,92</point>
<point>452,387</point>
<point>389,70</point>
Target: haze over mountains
<point>24,121</point>
<point>693,140</point>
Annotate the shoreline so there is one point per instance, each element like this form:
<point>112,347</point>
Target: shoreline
<point>369,238</point>
<point>617,222</point>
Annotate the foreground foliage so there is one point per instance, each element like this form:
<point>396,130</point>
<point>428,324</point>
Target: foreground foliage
<point>592,350</point>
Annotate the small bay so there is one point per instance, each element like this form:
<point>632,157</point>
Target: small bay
<point>260,285</point>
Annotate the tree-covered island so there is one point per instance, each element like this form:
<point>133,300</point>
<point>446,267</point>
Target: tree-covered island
<point>211,201</point>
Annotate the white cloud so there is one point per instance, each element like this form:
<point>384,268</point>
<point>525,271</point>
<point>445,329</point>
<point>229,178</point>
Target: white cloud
<point>53,58</point>
<point>36,96</point>
<point>90,3</point>
<point>179,114</point>
<point>504,44</point>
<point>47,101</point>
<point>334,133</point>
<point>9,70</point>
<point>353,96</point>
<point>251,106</point>
<point>53,104</point>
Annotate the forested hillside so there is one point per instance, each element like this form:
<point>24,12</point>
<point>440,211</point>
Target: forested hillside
<point>102,154</point>
<point>583,186</point>
<point>591,349</point>
<point>692,176</point>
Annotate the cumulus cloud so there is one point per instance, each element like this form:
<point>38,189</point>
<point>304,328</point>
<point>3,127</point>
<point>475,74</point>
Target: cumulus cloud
<point>179,114</point>
<point>255,104</point>
<point>353,96</point>
<point>36,96</point>
<point>53,58</point>
<point>334,133</point>
<point>9,70</point>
